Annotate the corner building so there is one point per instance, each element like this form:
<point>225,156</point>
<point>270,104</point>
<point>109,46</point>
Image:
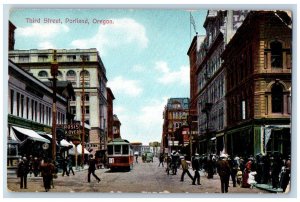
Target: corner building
<point>72,68</point>
<point>257,62</point>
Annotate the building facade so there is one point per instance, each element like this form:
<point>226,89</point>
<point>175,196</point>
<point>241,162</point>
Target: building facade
<point>175,116</point>
<point>258,65</point>
<point>116,127</point>
<point>110,114</point>
<point>72,67</point>
<point>30,112</point>
<point>220,26</point>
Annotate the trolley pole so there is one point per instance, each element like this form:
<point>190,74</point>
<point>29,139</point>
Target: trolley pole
<point>54,73</point>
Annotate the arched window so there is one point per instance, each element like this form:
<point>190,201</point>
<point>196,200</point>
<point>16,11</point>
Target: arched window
<point>277,98</point>
<point>86,75</point>
<point>59,75</point>
<point>71,76</point>
<point>276,54</point>
<point>71,73</point>
<point>43,74</point>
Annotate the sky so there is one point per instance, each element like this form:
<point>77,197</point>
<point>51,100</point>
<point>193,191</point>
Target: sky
<point>144,53</point>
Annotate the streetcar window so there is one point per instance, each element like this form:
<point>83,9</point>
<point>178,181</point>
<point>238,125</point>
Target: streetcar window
<point>125,149</point>
<point>110,149</point>
<point>117,149</point>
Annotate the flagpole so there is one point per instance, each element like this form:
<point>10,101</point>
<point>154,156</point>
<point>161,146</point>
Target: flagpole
<point>190,27</point>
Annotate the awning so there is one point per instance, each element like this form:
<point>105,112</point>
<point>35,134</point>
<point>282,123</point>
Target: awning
<point>65,143</point>
<point>21,134</point>
<point>79,150</point>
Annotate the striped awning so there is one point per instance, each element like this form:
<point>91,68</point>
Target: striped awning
<point>21,134</point>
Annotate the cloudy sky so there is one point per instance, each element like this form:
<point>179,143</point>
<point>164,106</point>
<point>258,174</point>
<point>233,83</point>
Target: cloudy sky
<point>144,52</point>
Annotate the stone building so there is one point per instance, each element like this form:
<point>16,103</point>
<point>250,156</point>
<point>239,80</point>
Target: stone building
<point>257,61</point>
<point>74,69</point>
<point>30,113</point>
<point>220,26</point>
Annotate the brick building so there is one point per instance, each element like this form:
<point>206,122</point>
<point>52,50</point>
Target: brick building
<point>258,65</point>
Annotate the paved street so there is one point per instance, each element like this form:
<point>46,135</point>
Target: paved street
<point>144,178</point>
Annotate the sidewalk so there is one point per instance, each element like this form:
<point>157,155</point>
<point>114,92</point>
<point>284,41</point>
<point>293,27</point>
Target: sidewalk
<point>268,187</point>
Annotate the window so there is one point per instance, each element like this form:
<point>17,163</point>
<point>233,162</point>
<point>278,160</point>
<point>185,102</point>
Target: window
<point>18,104</point>
<point>11,101</point>
<point>125,149</point>
<point>87,97</point>
<point>24,58</point>
<point>27,108</point>
<point>22,106</point>
<point>43,74</point>
<point>43,58</point>
<point>59,74</point>
<point>277,98</point>
<point>86,76</point>
<point>117,149</point>
<point>243,109</point>
<point>36,111</point>
<point>71,58</point>
<point>110,149</point>
<point>276,54</point>
<point>40,110</point>
<point>73,109</point>
<point>32,108</point>
<point>43,114</point>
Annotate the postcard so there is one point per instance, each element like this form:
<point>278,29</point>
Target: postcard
<point>149,101</point>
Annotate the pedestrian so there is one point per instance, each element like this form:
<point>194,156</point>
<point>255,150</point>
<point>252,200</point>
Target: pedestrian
<point>196,168</point>
<point>239,176</point>
<point>233,169</point>
<point>136,158</point>
<point>92,168</point>
<point>70,165</point>
<point>275,171</point>
<point>161,159</point>
<point>287,173</point>
<point>223,169</point>
<point>247,170</point>
<point>47,169</point>
<point>210,167</point>
<point>185,169</point>
<point>251,179</point>
<point>36,167</point>
<point>64,163</point>
<point>22,172</point>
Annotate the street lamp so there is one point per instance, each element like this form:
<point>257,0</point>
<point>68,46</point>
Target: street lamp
<point>54,73</point>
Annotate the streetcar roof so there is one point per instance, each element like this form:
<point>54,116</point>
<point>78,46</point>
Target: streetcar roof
<point>118,141</point>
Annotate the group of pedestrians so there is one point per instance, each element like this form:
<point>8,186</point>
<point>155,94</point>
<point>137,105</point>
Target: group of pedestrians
<point>45,167</point>
<point>262,169</point>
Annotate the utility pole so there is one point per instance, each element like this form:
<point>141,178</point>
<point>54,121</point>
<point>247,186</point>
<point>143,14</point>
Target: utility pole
<point>54,73</point>
<point>83,57</point>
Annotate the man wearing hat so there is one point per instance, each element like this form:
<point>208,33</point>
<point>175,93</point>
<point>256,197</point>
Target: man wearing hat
<point>23,169</point>
<point>196,168</point>
<point>185,169</point>
<point>92,168</point>
<point>224,172</point>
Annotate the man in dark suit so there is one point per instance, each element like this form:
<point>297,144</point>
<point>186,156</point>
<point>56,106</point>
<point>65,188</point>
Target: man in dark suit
<point>23,169</point>
<point>224,172</point>
<point>196,168</point>
<point>92,168</point>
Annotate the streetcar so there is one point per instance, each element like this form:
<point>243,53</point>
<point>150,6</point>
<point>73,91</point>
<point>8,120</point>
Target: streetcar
<point>120,154</point>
